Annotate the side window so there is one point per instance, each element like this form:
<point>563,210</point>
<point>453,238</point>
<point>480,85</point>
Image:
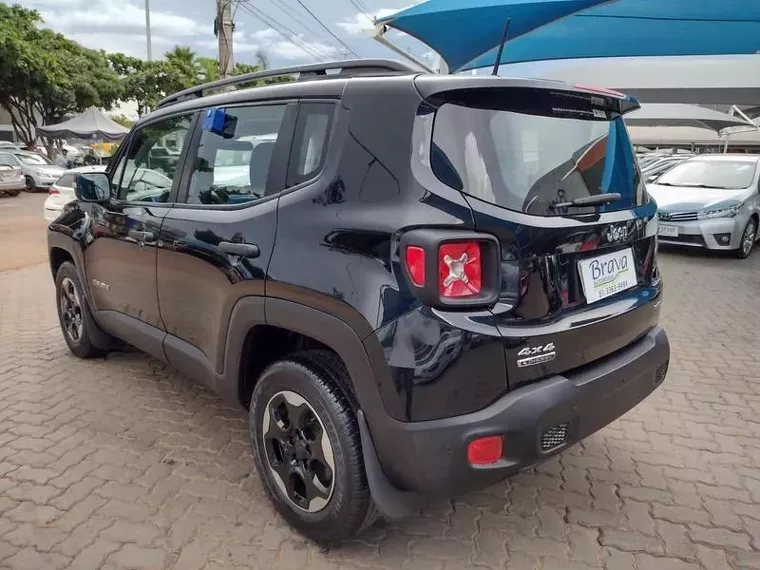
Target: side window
<point>310,142</point>
<point>152,161</point>
<point>233,168</point>
<point>8,160</point>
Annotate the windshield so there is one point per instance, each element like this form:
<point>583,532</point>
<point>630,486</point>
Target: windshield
<point>530,162</point>
<point>32,159</point>
<point>723,174</point>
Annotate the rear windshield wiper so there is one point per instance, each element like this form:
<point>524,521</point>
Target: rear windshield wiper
<point>596,200</point>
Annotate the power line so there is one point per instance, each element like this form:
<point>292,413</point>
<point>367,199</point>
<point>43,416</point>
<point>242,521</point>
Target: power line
<point>340,41</point>
<point>278,27</point>
<point>295,16</point>
<point>362,7</point>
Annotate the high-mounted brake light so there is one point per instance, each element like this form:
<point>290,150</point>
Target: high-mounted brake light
<point>415,263</point>
<point>601,91</point>
<point>459,269</point>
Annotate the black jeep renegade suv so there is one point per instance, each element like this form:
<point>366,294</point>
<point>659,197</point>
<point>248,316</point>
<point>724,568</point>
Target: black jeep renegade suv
<point>417,284</point>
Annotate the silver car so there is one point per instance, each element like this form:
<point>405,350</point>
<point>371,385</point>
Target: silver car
<point>38,171</point>
<point>710,201</point>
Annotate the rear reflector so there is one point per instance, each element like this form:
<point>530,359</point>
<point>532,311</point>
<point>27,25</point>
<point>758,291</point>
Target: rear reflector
<point>459,269</point>
<point>485,450</point>
<point>415,264</point>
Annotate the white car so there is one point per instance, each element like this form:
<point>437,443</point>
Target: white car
<point>62,191</point>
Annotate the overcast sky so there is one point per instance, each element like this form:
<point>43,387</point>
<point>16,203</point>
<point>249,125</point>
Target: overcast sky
<point>119,25</point>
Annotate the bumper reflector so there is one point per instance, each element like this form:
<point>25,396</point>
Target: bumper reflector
<point>485,450</point>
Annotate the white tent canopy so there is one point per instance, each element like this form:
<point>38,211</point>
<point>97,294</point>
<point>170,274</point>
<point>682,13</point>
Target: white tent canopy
<point>90,124</point>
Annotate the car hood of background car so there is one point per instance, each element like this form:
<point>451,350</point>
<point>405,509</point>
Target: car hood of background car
<point>687,199</point>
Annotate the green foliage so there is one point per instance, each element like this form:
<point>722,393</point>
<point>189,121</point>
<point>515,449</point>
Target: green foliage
<point>123,120</point>
<point>44,75</point>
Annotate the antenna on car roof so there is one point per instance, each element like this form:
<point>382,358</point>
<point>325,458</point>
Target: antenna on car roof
<point>497,63</point>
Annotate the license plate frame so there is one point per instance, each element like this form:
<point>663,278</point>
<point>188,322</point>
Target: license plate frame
<point>668,231</point>
<point>605,275</point>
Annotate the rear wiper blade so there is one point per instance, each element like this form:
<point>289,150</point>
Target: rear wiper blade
<point>596,200</point>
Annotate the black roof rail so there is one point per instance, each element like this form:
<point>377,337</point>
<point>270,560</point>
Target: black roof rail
<point>315,70</point>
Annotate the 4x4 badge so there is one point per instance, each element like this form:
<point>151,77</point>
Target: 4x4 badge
<point>536,355</point>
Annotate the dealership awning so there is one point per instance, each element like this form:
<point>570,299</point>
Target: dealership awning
<point>467,33</point>
<point>678,115</point>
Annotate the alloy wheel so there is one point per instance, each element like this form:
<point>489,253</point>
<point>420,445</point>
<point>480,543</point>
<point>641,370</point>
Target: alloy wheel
<point>299,452</point>
<point>748,239</point>
<point>71,310</point>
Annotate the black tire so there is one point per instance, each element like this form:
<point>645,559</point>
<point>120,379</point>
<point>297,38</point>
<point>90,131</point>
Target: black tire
<point>29,183</point>
<point>317,377</point>
<point>81,344</point>
<point>746,247</point>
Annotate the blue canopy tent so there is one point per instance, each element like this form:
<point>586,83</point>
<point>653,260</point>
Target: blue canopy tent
<point>467,33</point>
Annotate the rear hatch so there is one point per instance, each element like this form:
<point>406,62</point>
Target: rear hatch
<point>577,281</point>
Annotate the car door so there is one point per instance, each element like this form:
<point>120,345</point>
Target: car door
<point>215,243</point>
<point>121,258</point>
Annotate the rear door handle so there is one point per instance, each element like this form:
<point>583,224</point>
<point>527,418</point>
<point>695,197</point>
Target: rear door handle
<point>141,236</point>
<point>249,250</point>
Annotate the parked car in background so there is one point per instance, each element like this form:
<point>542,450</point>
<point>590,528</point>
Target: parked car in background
<point>659,167</point>
<point>11,177</point>
<point>710,201</point>
<point>6,145</point>
<point>39,171</point>
<point>61,192</point>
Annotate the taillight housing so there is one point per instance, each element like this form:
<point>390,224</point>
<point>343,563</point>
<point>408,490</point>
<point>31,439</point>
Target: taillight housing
<point>53,190</point>
<point>450,268</point>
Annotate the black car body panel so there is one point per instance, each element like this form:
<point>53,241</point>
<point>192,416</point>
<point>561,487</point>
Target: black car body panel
<point>322,254</point>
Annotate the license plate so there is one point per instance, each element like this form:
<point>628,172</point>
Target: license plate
<point>608,274</point>
<point>667,231</point>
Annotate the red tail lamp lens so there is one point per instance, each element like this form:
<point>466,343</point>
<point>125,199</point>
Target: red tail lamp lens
<point>53,190</point>
<point>415,264</point>
<point>485,450</point>
<point>459,269</point>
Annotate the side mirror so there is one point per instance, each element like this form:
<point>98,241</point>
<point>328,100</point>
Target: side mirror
<point>93,187</point>
<point>652,178</point>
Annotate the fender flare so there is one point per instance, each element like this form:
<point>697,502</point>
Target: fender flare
<point>340,337</point>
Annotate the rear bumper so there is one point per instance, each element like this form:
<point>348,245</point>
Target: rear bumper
<point>431,456</point>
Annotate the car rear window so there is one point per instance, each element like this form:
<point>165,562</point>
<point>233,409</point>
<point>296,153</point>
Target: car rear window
<point>724,174</point>
<point>66,181</point>
<point>528,162</point>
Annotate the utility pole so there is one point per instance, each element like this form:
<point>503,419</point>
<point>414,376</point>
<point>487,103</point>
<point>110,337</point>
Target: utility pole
<point>223,27</point>
<point>147,29</point>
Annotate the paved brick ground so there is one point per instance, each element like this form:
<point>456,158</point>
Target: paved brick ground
<point>121,463</point>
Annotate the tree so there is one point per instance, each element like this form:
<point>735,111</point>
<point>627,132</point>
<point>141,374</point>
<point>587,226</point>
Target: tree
<point>44,76</point>
<point>123,120</point>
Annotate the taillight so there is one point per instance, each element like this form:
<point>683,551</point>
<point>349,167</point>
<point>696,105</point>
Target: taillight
<point>53,190</point>
<point>451,268</point>
<point>415,264</point>
<point>459,269</point>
